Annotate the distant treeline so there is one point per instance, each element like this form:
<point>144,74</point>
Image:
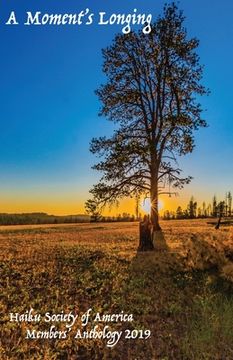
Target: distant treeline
<point>40,218</point>
<point>43,218</point>
<point>195,210</point>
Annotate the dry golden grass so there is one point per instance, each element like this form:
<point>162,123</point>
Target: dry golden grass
<point>175,233</point>
<point>74,267</point>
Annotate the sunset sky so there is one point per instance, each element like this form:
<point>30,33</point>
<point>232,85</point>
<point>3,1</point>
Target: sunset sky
<point>49,112</point>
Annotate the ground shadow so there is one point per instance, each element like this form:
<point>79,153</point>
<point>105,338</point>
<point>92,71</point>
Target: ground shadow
<point>173,285</point>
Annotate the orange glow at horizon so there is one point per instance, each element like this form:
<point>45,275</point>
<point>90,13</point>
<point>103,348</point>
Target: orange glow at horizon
<point>72,202</point>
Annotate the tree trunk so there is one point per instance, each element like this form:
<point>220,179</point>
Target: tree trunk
<point>155,218</point>
<point>221,211</point>
<point>218,223</point>
<point>154,206</point>
<point>155,227</point>
<point>145,235</point>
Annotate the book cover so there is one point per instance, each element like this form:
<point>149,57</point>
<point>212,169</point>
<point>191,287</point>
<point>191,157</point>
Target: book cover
<point>116,224</point>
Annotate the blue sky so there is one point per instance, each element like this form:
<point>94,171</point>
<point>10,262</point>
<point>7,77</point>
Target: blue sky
<point>49,112</point>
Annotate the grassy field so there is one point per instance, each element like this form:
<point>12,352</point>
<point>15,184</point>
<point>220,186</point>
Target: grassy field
<point>182,292</point>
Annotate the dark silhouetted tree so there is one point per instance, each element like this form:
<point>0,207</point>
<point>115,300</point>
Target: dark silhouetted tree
<point>167,215</point>
<point>229,202</point>
<point>220,212</point>
<point>92,209</point>
<point>150,93</point>
<point>214,206</point>
<point>192,208</point>
<point>179,213</point>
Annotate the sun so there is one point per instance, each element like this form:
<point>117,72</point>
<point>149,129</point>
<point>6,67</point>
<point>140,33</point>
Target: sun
<point>146,205</point>
<point>160,205</point>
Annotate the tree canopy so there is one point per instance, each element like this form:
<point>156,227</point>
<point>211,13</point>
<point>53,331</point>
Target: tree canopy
<point>153,81</point>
